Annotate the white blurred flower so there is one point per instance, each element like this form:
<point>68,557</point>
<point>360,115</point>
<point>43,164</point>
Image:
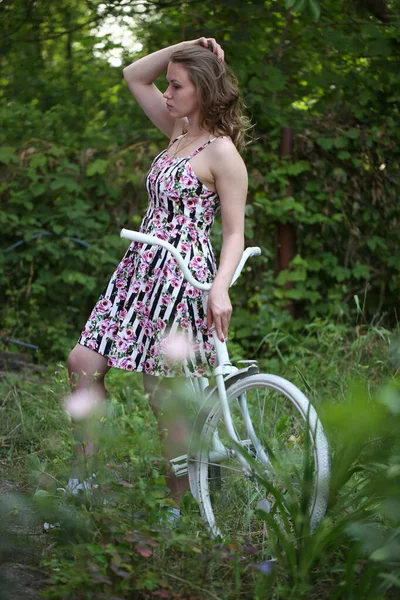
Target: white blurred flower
<point>175,347</point>
<point>82,404</point>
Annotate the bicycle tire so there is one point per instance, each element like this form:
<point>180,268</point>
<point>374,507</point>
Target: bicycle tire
<point>291,421</point>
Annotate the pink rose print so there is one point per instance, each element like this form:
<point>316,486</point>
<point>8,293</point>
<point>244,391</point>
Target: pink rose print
<point>167,271</point>
<point>189,180</point>
<point>181,220</point>
<point>154,351</point>
<point>122,345</point>
<point>127,364</point>
<point>175,282</point>
<point>165,300</point>
<point>149,365</point>
<point>105,324</point>
<point>185,246</point>
<point>128,334</point>
<point>161,234</point>
<point>160,324</point>
<point>157,216</point>
<point>208,217</point>
<point>142,268</point>
<point>201,274</point>
<point>185,323</point>
<point>148,328</point>
<point>122,294</point>
<point>190,202</point>
<point>120,283</point>
<point>197,261</point>
<point>207,203</point>
<point>208,347</point>
<point>191,292</point>
<point>146,287</point>
<point>113,331</point>
<point>122,314</point>
<point>104,306</point>
<point>92,345</point>
<point>174,196</point>
<point>147,256</point>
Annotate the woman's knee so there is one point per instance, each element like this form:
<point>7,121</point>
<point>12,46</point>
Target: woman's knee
<point>85,363</point>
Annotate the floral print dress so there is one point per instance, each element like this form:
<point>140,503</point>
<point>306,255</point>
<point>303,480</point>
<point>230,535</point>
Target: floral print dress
<point>147,299</point>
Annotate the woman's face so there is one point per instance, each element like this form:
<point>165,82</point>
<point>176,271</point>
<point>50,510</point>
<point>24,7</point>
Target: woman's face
<point>181,93</point>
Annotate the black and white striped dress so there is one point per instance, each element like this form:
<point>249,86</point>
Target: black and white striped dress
<point>147,301</point>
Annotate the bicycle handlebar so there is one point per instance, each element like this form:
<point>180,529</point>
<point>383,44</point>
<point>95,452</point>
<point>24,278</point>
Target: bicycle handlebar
<point>144,238</point>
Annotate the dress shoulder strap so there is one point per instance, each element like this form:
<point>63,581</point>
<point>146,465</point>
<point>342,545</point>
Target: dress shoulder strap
<point>175,140</point>
<point>204,146</point>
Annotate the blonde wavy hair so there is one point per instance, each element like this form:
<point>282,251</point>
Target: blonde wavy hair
<point>222,109</point>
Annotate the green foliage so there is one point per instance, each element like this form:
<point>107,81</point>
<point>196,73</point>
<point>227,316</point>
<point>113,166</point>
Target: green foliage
<point>74,150</point>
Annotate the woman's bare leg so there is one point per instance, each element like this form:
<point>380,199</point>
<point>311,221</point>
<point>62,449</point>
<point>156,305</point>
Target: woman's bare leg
<point>174,430</point>
<point>87,370</point>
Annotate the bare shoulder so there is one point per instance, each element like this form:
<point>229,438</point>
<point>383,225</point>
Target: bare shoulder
<point>225,157</point>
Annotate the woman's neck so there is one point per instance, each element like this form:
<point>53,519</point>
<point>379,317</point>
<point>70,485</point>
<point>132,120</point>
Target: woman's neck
<point>193,129</point>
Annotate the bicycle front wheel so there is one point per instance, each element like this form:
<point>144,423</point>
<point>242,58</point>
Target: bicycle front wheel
<point>285,445</point>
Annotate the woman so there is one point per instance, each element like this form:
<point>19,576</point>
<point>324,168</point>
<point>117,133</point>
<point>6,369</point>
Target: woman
<point>147,299</point>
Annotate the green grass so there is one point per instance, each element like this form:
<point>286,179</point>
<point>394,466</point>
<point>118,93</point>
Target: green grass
<point>114,545</point>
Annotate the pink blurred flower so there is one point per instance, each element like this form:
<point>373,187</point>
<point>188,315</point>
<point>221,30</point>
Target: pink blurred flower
<point>175,347</point>
<point>82,404</point>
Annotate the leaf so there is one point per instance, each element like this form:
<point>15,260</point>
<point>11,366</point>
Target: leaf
<point>361,272</point>
<point>143,549</point>
<point>41,495</point>
<point>298,167</point>
<point>161,593</point>
<point>125,484</point>
<point>289,4</point>
<point>299,6</point>
<point>340,142</point>
<point>325,143</point>
<point>7,154</point>
<point>276,80</point>
<point>98,166</point>
<point>120,572</point>
<point>315,9</point>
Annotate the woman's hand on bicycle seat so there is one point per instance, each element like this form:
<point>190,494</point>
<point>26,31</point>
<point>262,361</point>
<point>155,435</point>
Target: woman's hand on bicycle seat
<point>219,310</point>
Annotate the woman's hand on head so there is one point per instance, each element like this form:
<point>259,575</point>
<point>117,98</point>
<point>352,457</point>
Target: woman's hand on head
<point>212,45</point>
<point>219,310</point>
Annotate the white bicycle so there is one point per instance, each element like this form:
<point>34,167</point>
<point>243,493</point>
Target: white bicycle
<point>257,442</point>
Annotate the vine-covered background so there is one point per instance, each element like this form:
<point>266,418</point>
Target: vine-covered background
<point>75,148</point>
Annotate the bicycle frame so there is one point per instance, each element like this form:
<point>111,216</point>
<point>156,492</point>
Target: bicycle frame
<point>224,366</point>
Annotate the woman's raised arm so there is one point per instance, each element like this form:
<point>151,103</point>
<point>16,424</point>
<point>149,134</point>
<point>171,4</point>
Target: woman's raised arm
<point>140,77</point>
